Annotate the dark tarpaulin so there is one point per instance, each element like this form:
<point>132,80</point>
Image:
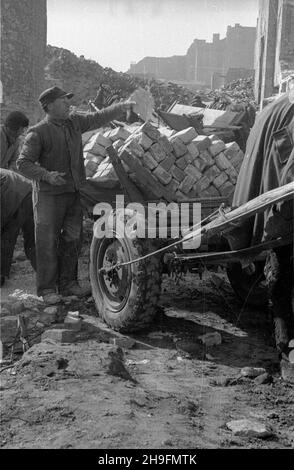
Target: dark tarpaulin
<point>268,163</point>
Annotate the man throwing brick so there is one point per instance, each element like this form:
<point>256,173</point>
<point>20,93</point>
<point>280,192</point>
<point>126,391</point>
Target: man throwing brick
<point>52,157</point>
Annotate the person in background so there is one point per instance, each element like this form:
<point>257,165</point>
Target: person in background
<point>52,156</point>
<point>16,215</point>
<point>268,164</point>
<point>14,126</point>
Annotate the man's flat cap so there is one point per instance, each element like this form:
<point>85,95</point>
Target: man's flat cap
<point>51,94</point>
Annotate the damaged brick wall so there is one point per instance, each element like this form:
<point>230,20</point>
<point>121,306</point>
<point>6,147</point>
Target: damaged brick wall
<point>23,50</point>
<point>274,55</point>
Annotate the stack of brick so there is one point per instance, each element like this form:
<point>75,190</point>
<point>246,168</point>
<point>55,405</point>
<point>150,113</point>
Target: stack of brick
<point>168,164</point>
<point>183,166</point>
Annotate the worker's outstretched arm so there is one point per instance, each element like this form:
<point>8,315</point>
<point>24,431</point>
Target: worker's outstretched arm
<point>93,121</point>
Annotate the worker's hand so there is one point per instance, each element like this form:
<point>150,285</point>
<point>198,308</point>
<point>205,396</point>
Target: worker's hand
<point>55,178</point>
<point>127,105</point>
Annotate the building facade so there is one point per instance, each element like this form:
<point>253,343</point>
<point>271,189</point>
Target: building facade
<point>23,52</point>
<point>274,54</point>
<point>206,63</point>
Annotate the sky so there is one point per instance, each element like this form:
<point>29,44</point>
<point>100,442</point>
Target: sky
<point>118,32</point>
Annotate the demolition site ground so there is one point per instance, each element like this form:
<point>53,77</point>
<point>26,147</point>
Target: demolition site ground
<point>163,389</point>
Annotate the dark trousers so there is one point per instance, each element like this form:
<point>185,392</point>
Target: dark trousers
<point>279,276</point>
<point>58,225</point>
<point>23,220</point>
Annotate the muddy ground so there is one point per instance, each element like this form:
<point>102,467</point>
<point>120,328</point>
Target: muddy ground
<point>178,394</point>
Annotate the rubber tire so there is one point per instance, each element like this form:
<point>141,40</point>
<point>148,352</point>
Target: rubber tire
<point>242,284</point>
<point>140,307</point>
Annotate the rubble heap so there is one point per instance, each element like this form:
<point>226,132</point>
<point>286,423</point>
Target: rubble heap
<point>83,77</point>
<point>166,164</point>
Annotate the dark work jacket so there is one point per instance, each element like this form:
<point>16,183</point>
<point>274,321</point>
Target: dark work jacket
<point>268,163</point>
<point>9,148</point>
<point>14,188</point>
<point>56,145</point>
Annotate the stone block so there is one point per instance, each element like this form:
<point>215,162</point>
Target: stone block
<point>222,162</point>
<point>149,161</point>
<point>147,180</point>
<point>212,173</point>
<point>177,173</point>
<point>201,185</point>
<point>232,173</point>
<point>73,323</point>
<point>186,135</point>
<point>95,148</point>
<point>100,139</point>
<point>134,148</point>
<point>173,186</point>
<point>178,147</point>
<point>202,142</point>
<point>192,170</point>
<point>94,158</point>
<point>220,179</point>
<point>165,144</point>
<point>237,160</point>
<point>226,189</point>
<point>90,167</point>
<point>143,140</point>
<point>168,162</point>
<point>249,428</point>
<point>150,131</point>
<point>232,148</point>
<point>193,150</point>
<point>180,196</point>
<point>157,153</point>
<point>59,335</point>
<point>187,184</point>
<point>161,174</point>
<point>211,191</point>
<point>200,164</point>
<point>189,157</point>
<point>119,133</point>
<point>182,162</point>
<point>217,147</point>
<point>214,137</point>
<point>205,155</point>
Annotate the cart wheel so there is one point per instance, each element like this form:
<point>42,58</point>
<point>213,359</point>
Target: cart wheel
<point>250,288</point>
<point>125,297</point>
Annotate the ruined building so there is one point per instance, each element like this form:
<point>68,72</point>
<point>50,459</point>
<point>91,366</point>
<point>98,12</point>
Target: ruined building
<point>23,51</point>
<point>274,56</point>
<point>206,63</point>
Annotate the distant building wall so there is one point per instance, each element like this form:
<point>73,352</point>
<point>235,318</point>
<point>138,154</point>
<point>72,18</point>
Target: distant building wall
<point>170,68</point>
<point>274,54</point>
<point>240,45</point>
<point>204,60</point>
<point>23,51</point>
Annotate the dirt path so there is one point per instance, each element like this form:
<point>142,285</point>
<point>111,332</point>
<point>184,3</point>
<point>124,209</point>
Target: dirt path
<point>182,396</point>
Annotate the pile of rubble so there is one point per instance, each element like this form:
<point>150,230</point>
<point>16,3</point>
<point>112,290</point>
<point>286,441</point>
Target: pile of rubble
<point>83,77</point>
<point>26,320</point>
<point>166,164</point>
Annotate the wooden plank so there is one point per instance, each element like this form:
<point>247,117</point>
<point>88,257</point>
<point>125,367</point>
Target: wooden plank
<point>129,187</point>
<point>228,220</point>
<point>211,117</point>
